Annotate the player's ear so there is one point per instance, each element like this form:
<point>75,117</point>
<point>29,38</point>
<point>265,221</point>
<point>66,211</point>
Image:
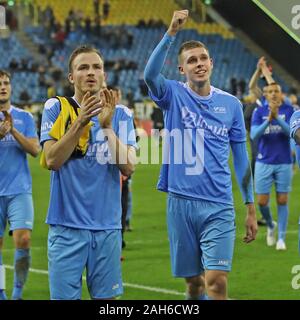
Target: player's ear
<point>70,77</point>
<point>180,68</point>
<point>212,63</point>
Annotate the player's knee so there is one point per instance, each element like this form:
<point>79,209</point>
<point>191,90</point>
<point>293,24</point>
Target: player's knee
<point>23,241</point>
<point>262,202</point>
<point>217,285</point>
<point>282,201</point>
<point>194,281</point>
<point>195,284</point>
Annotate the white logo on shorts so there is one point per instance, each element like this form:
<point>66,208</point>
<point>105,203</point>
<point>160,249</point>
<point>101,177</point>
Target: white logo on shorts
<point>116,286</point>
<point>223,262</point>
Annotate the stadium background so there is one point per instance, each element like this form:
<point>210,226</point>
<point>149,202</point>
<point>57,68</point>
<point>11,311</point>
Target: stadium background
<point>35,49</point>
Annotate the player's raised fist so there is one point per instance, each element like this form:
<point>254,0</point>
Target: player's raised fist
<point>178,21</point>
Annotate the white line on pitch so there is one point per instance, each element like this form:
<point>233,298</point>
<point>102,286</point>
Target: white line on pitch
<point>129,285</point>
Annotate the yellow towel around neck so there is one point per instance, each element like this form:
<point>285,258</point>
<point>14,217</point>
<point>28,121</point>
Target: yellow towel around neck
<point>68,114</point>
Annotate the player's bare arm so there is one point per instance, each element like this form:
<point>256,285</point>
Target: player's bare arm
<point>253,84</point>
<point>266,72</point>
<point>58,152</point>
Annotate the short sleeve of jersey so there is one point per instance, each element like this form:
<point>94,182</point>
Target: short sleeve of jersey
<point>237,131</point>
<point>164,101</point>
<point>256,117</point>
<point>125,127</point>
<point>30,126</point>
<point>50,114</point>
<point>294,123</point>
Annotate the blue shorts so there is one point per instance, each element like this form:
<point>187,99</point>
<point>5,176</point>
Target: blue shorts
<point>17,210</point>
<point>266,174</point>
<point>201,235</point>
<point>70,251</point>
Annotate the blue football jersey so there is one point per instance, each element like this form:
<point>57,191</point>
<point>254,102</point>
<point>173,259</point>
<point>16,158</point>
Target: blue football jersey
<point>274,144</point>
<point>197,141</point>
<point>85,192</point>
<point>14,170</point>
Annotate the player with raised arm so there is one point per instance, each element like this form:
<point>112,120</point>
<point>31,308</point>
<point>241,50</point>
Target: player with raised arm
<point>200,209</point>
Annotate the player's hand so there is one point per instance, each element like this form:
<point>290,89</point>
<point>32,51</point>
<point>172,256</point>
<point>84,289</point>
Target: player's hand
<point>275,113</point>
<point>178,21</point>
<point>270,116</point>
<point>251,223</point>
<point>274,106</point>
<point>8,118</point>
<point>107,110</point>
<point>5,128</point>
<point>261,62</point>
<point>90,106</point>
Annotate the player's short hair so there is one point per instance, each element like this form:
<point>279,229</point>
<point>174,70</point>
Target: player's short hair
<point>273,84</point>
<point>4,73</point>
<point>192,44</point>
<point>78,51</point>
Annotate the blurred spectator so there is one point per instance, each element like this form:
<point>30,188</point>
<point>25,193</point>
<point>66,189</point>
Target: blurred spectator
<point>68,90</point>
<point>294,101</point>
<point>42,80</point>
<point>11,19</point>
<point>24,96</point>
<point>34,67</point>
<point>106,9</point>
<point>143,87</point>
<point>242,86</point>
<point>24,64</point>
<point>13,65</point>
<point>87,25</point>
<point>56,74</point>
<point>249,103</point>
<point>233,86</point>
<point>59,38</point>
<point>42,49</point>
<point>4,38</point>
<point>97,26</point>
<point>96,7</point>
<point>141,23</point>
<point>51,92</point>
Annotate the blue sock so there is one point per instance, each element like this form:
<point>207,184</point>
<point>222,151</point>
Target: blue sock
<point>21,264</point>
<point>282,220</point>
<point>200,297</point>
<point>266,213</point>
<point>2,276</point>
